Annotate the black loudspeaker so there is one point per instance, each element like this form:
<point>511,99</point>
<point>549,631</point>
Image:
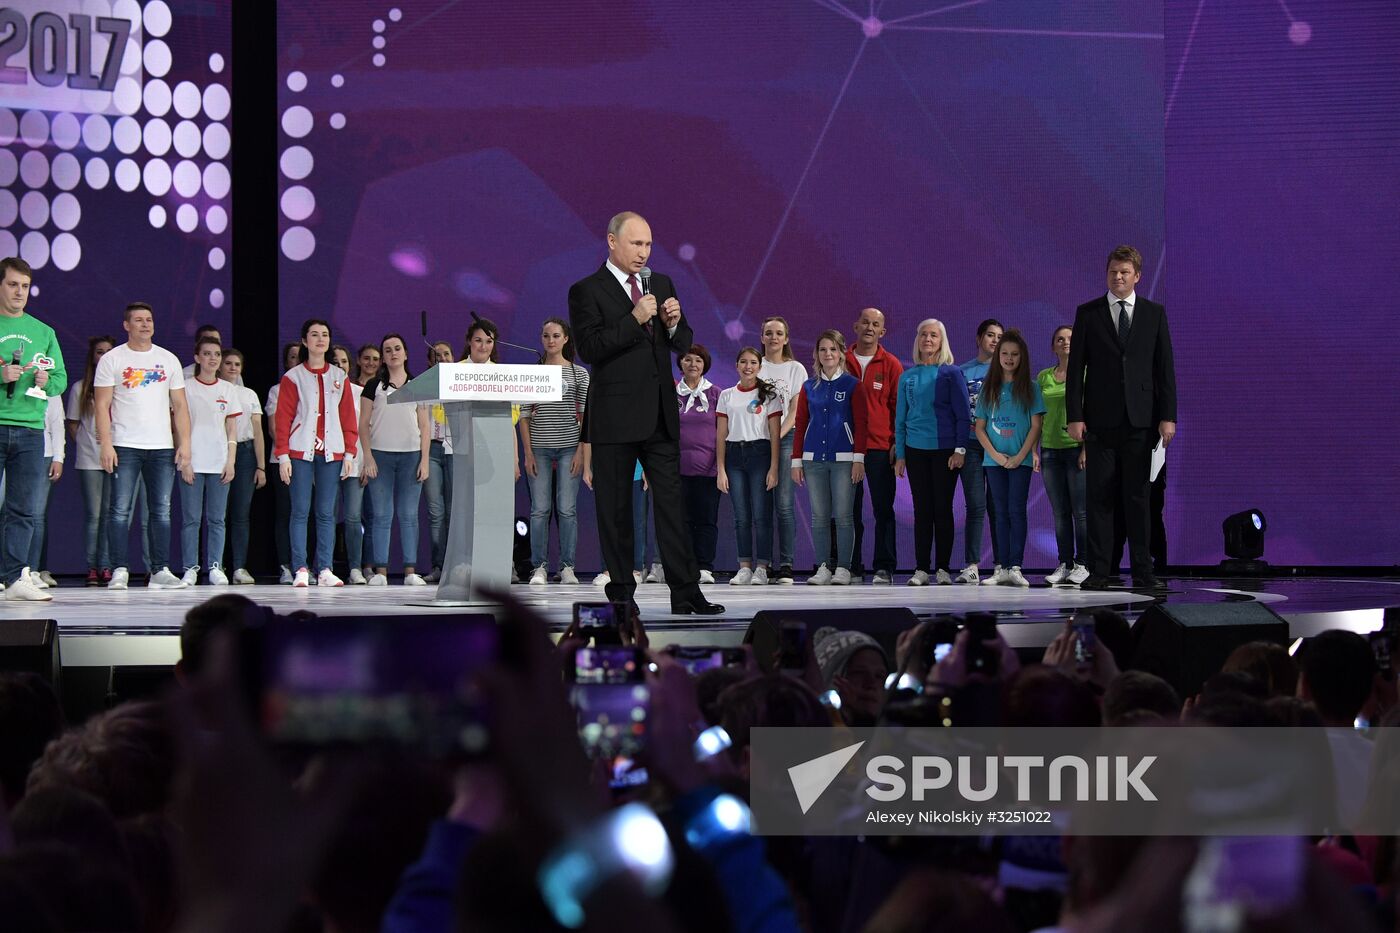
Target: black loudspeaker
<point>31,645</point>
<point>1186,644</point>
<point>882,624</point>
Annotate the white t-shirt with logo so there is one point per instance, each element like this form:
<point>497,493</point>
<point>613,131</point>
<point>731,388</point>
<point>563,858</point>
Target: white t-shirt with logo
<point>746,418</point>
<point>210,408</point>
<point>250,408</point>
<point>788,377</point>
<point>392,428</point>
<point>141,383</point>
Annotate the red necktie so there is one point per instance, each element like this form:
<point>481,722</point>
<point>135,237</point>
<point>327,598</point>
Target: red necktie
<point>637,297</point>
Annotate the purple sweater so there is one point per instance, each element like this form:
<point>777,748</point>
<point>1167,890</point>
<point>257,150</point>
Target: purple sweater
<point>698,435</point>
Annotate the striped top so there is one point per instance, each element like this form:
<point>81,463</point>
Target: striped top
<point>557,424</point>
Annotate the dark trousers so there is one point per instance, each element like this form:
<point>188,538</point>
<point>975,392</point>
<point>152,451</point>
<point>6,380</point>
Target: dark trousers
<point>931,485</point>
<point>613,466</point>
<point>1116,462</point>
<point>1156,503</point>
<point>879,476</point>
<point>702,517</point>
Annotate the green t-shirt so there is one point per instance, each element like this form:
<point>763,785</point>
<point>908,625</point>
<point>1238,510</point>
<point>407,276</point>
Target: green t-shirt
<point>34,340</point>
<point>1053,434</point>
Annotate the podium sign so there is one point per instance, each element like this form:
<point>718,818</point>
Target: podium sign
<point>477,399</point>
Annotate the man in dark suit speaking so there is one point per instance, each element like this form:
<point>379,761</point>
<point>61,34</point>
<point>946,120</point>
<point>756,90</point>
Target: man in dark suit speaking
<point>627,324</point>
<point>1120,397</point>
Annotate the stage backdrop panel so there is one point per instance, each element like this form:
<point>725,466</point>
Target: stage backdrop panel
<point>797,158</point>
<point>1283,178</point>
<point>115,158</point>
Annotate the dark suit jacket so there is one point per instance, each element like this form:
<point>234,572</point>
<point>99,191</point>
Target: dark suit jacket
<point>1110,385</point>
<point>631,379</point>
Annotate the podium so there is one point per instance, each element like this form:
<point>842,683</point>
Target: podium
<point>477,399</point>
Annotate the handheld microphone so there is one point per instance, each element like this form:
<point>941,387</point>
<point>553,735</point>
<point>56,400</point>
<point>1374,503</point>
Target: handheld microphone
<point>645,278</point>
<point>16,359</point>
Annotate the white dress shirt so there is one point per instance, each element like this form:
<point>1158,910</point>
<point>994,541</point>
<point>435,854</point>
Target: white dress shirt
<point>1114,307</point>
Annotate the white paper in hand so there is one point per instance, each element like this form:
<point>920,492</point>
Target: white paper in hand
<point>1159,460</point>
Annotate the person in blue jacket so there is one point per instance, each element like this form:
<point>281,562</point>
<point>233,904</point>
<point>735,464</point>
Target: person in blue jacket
<point>930,422</point>
<point>828,453</point>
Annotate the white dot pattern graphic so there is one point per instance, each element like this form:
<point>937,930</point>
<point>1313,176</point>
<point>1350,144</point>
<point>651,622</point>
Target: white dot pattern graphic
<point>34,169</point>
<point>65,171</point>
<point>34,210</point>
<point>97,133</point>
<point>296,82</point>
<point>9,209</point>
<point>157,97</point>
<point>127,175</point>
<point>297,121</point>
<point>186,99</point>
<point>34,128</point>
<point>156,18</point>
<point>155,176</point>
<point>186,180</point>
<point>216,258</point>
<point>67,252</point>
<point>66,211</point>
<point>9,168</point>
<point>156,215</point>
<point>186,218</point>
<point>186,139</point>
<point>216,298</point>
<point>216,219</point>
<point>34,249</point>
<point>298,243</point>
<point>97,174</point>
<point>156,57</point>
<point>298,202</point>
<point>156,136</point>
<point>66,130</point>
<point>216,140</point>
<point>126,135</point>
<point>217,102</point>
<point>337,121</point>
<point>296,163</point>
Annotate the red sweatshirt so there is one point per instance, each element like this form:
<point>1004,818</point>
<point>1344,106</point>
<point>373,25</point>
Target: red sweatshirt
<point>881,391</point>
<point>304,400</point>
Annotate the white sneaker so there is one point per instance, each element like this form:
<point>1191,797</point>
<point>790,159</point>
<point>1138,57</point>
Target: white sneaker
<point>882,578</point>
<point>637,577</point>
<point>1059,576</point>
<point>327,578</point>
<point>943,578</point>
<point>760,576</point>
<point>302,578</point>
<point>217,577</point>
<point>357,576</point>
<point>37,581</point>
<point>822,577</point>
<point>24,588</point>
<point>567,577</point>
<point>191,576</point>
<point>413,579</point>
<point>379,579</point>
<point>920,578</point>
<point>120,579</point>
<point>657,573</point>
<point>707,576</point>
<point>165,580</point>
<point>969,576</point>
<point>1079,574</point>
<point>48,579</point>
<point>242,577</point>
<point>743,578</point>
<point>999,577</point>
<point>842,577</point>
<point>602,579</point>
<point>1014,577</point>
<point>286,578</point>
<point>540,577</point>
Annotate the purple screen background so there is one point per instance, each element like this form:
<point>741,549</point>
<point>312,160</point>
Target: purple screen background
<point>146,236</point>
<point>959,161</point>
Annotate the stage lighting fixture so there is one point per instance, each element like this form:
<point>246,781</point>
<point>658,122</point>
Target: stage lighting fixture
<point>1244,542</point>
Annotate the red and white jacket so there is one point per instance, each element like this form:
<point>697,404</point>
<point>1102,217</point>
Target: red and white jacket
<point>304,399</point>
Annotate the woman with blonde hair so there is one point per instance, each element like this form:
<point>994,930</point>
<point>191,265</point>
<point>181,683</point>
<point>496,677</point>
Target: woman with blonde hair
<point>931,419</point>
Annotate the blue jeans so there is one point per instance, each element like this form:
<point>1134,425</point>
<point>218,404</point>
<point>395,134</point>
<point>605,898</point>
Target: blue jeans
<point>240,504</point>
<point>438,490</point>
<point>155,471</point>
<point>39,542</point>
<point>552,468</point>
<point>974,484</point>
<point>22,466</point>
<point>832,495</point>
<point>782,502</point>
<point>96,486</point>
<point>352,496</point>
<point>1065,488</point>
<point>396,488</point>
<point>746,464</point>
<point>206,497</point>
<point>1010,489</point>
<point>319,477</point>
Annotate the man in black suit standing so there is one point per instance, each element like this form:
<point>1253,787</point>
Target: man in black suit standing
<point>627,324</point>
<point>1120,397</point>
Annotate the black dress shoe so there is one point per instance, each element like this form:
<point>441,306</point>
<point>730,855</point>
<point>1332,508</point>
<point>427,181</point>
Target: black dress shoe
<point>1096,581</point>
<point>696,605</point>
<point>1149,583</point>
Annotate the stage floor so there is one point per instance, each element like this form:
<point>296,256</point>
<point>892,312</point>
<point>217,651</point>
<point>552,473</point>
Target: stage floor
<point>138,626</point>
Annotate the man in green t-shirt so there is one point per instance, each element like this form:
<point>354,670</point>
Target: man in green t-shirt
<point>32,371</point>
